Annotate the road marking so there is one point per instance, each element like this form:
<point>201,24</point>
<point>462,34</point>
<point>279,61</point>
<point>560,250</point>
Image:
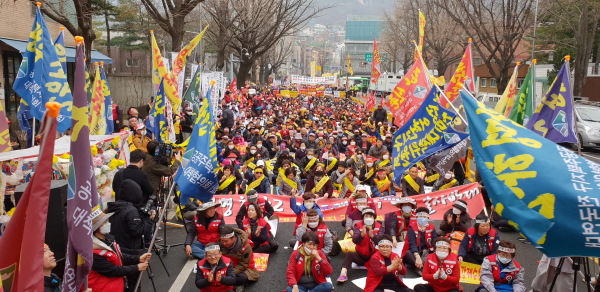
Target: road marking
<point>183,275</point>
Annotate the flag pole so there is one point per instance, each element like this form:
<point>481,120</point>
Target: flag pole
<point>567,59</point>
<point>457,112</point>
<point>423,62</point>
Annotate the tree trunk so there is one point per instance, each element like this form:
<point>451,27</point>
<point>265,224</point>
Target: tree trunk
<point>177,33</point>
<point>585,41</point>
<point>442,67</point>
<point>242,75</point>
<point>107,35</point>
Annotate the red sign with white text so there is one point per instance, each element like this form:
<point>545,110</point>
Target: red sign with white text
<point>335,209</point>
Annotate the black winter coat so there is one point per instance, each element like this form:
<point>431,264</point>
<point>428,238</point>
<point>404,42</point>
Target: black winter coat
<point>135,174</point>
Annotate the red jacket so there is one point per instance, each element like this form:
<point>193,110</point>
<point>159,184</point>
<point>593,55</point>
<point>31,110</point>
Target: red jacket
<point>376,269</point>
<point>102,283</point>
<point>451,267</point>
<point>366,246</point>
<point>212,234</point>
<point>214,286</point>
<point>352,206</point>
<point>318,270</point>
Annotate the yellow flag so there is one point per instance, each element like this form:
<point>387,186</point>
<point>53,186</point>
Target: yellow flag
<point>97,117</point>
<point>350,66</point>
<point>185,52</point>
<point>159,70</point>
<point>422,23</point>
<point>508,97</point>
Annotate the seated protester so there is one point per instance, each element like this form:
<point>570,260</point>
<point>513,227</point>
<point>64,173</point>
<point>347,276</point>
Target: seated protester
<point>385,269</point>
<point>281,171</point>
<point>382,186</point>
<point>229,149</point>
<point>112,270</point>
<point>301,151</point>
<point>397,223</point>
<point>342,144</point>
<point>308,163</point>
<point>289,183</point>
<point>229,178</point>
<point>259,181</point>
<point>420,236</point>
<point>479,242</point>
<point>356,161</point>
<point>365,144</point>
<point>355,216</point>
<point>313,222</point>
<point>335,174</point>
<point>319,183</point>
<point>308,267</point>
<point>250,156</point>
<point>236,245</point>
<point>442,269</point>
<point>352,148</point>
<point>252,196</point>
<point>447,182</point>
<point>233,159</point>
<point>207,223</point>
<point>412,184</point>
<point>263,151</point>
<point>360,195</point>
<point>300,211</point>
<point>501,272</point>
<point>332,163</point>
<point>215,273</point>
<point>431,177</point>
<point>348,182</point>
<point>367,171</point>
<point>285,155</point>
<point>366,235</point>
<point>384,160</point>
<point>258,229</point>
<point>238,139</point>
<point>457,219</point>
<point>328,151</point>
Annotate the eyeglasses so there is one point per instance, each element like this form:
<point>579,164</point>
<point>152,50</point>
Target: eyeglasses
<point>258,172</point>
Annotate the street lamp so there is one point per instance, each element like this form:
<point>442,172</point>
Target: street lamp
<point>246,52</point>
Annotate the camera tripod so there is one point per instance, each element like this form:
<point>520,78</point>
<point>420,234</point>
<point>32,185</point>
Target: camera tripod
<point>150,273</point>
<point>577,263</point>
<point>168,185</point>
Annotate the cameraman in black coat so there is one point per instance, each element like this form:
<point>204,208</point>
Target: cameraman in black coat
<point>128,224</point>
<point>155,169</point>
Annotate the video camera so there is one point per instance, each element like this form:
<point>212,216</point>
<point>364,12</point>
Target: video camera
<point>164,153</point>
<point>146,209</point>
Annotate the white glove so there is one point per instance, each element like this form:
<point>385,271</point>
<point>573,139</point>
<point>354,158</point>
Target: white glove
<point>436,275</point>
<point>443,275</point>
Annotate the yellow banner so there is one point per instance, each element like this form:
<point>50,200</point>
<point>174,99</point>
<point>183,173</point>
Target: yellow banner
<point>97,116</point>
<point>181,58</point>
<point>285,92</point>
<point>508,96</point>
<point>422,23</point>
<point>159,70</point>
<point>312,69</point>
<point>342,94</point>
<point>469,273</point>
<point>294,93</point>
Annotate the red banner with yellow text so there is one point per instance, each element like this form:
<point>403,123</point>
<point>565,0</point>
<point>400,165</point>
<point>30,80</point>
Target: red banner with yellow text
<point>409,94</point>
<point>463,76</point>
<point>335,209</point>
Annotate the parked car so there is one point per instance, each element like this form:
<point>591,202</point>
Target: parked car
<point>588,124</point>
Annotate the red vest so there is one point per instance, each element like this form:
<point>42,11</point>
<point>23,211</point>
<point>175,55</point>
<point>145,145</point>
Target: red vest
<point>114,111</point>
<point>366,246</point>
<point>212,234</point>
<point>315,270</point>
<point>471,232</point>
<point>215,286</point>
<point>261,224</point>
<point>298,220</point>
<point>321,231</point>
<point>353,203</point>
<point>260,202</point>
<point>374,280</point>
<point>510,276</point>
<point>102,283</point>
<point>450,265</point>
<point>428,233</point>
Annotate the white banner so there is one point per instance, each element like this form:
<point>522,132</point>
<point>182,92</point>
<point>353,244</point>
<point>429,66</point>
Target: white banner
<point>218,90</point>
<point>276,82</point>
<point>336,94</point>
<point>299,79</point>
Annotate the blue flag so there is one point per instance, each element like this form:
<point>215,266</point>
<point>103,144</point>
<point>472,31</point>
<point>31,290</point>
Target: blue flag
<point>59,45</point>
<point>428,131</point>
<point>41,77</point>
<point>196,177</point>
<point>110,124</point>
<point>553,118</point>
<point>157,122</point>
<point>545,191</point>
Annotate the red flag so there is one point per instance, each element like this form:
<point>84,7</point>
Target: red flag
<point>409,94</point>
<point>375,71</point>
<point>464,70</point>
<point>233,88</point>
<point>370,101</point>
<point>22,243</point>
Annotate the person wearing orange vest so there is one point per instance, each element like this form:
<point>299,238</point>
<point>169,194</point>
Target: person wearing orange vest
<point>480,241</point>
<point>385,269</point>
<point>501,272</point>
<point>441,270</point>
<point>381,185</point>
<point>421,235</point>
<point>312,222</point>
<point>207,224</point>
<point>111,268</point>
<point>257,227</point>
<point>308,267</point>
<point>215,272</point>
<point>236,245</point>
<point>366,235</point>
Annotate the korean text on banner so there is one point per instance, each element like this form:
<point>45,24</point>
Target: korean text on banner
<point>526,193</point>
<point>159,70</point>
<point>470,273</point>
<point>409,94</point>
<point>261,261</point>
<point>463,77</point>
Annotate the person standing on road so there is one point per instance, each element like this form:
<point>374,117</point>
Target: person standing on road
<point>380,114</point>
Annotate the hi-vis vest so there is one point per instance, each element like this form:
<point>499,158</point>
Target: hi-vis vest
<point>509,274</point>
<point>373,280</point>
<point>209,235</point>
<point>366,246</point>
<point>102,283</point>
<point>428,234</point>
<point>215,286</point>
<point>492,234</point>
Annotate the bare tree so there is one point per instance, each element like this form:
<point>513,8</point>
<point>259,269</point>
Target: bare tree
<point>260,24</point>
<point>398,35</point>
<point>496,27</point>
<point>277,55</point>
<point>221,33</point>
<point>170,16</point>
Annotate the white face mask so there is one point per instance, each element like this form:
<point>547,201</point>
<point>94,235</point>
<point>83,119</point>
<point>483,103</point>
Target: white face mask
<point>309,205</point>
<point>385,157</point>
<point>358,156</point>
<point>252,151</point>
<point>230,146</point>
<point>302,148</point>
<point>144,133</point>
<point>259,146</point>
<point>313,224</point>
<point>352,143</point>
<point>330,158</point>
<point>105,229</point>
<point>344,142</point>
<point>307,250</point>
<point>360,208</point>
<point>456,210</point>
<point>503,259</point>
<point>368,221</point>
<point>441,254</point>
<point>406,209</point>
<point>309,157</point>
<point>369,164</point>
<point>448,176</point>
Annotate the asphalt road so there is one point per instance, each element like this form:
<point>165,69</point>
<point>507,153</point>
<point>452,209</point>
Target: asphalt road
<point>273,279</point>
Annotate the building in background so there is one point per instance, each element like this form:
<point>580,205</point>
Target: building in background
<point>359,36</point>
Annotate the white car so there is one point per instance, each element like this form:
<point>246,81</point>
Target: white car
<point>588,125</point>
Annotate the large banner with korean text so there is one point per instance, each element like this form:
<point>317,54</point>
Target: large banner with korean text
<point>335,209</point>
<point>299,79</point>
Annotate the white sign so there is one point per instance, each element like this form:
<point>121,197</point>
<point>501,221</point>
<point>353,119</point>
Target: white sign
<point>299,79</point>
<point>251,91</point>
<point>336,94</point>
